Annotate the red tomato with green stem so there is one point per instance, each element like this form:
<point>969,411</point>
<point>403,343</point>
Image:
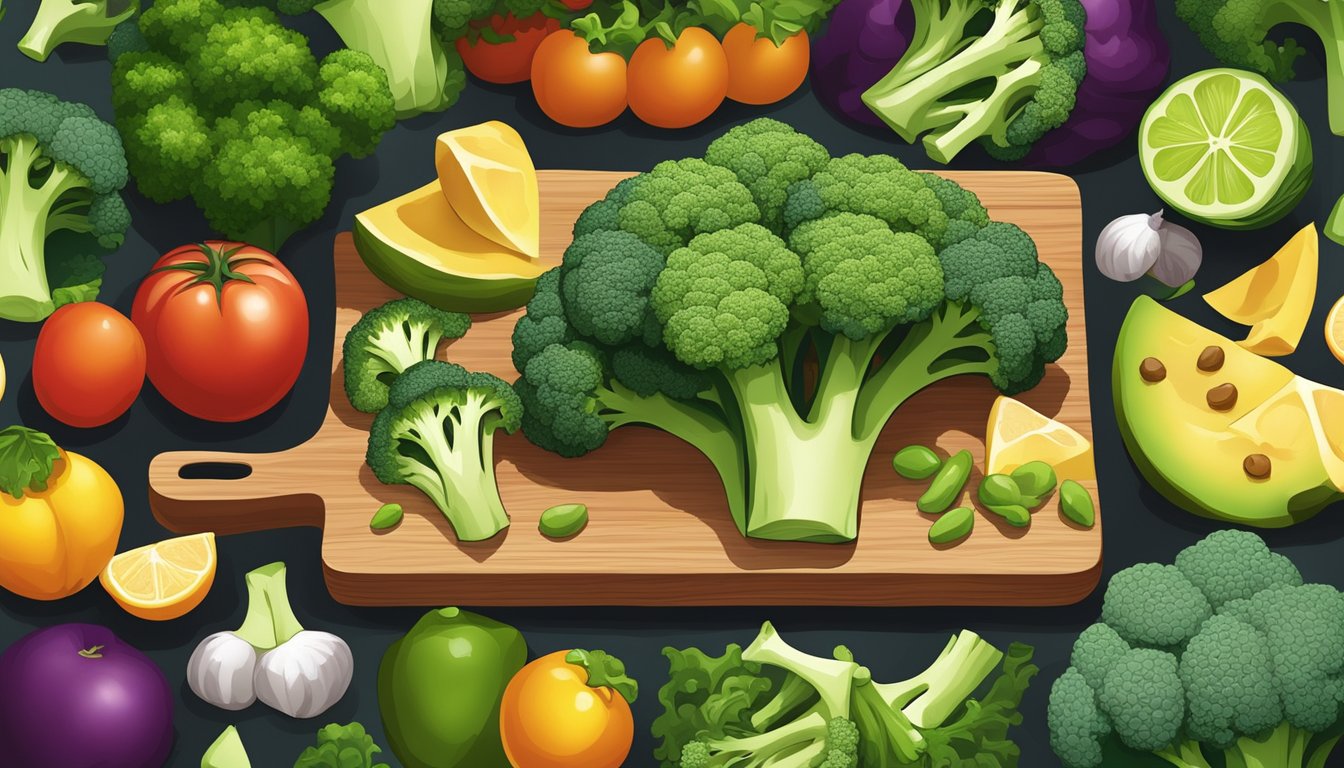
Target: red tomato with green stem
<point>576,87</point>
<point>500,50</point>
<point>226,329</point>
<point>89,364</point>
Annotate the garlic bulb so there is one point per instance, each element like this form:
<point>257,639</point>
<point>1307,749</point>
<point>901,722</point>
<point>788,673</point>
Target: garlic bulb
<point>307,675</point>
<point>1139,244</point>
<point>221,670</point>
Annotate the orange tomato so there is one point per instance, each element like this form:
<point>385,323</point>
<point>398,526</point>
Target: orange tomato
<point>89,364</point>
<point>574,86</point>
<point>760,72</point>
<point>679,86</point>
<point>509,62</point>
<point>550,718</point>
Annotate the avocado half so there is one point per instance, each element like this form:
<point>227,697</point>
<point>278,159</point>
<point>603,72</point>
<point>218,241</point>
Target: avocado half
<point>1194,454</point>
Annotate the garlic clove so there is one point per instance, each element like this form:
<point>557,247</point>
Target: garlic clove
<point>221,671</point>
<point>307,675</point>
<point>1181,255</point>
<point>1129,246</point>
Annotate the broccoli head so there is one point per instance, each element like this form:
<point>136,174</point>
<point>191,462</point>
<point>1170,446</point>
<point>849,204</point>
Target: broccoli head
<point>222,103</point>
<point>61,170</point>
<point>692,296</point>
<point>1224,658</point>
<point>387,340</point>
<point>89,22</point>
<point>1002,73</point>
<point>437,434</point>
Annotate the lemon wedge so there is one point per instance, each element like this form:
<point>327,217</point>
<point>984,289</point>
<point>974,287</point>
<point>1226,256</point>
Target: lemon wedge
<point>1017,434</point>
<point>1275,298</point>
<point>488,178</point>
<point>162,581</point>
<point>1334,334</point>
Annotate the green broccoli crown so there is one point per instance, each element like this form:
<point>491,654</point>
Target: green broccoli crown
<point>877,185</point>
<point>1261,679</point>
<point>1235,31</point>
<point>125,38</point>
<point>557,390</point>
<point>544,322</point>
<point>178,27</point>
<point>605,282</point>
<point>388,340</point>
<point>73,21</point>
<point>248,55</point>
<point>1004,73</point>
<point>965,214</point>
<point>451,17</point>
<point>143,79</point>
<point>167,147</point>
<point>356,97</point>
<point>768,157</point>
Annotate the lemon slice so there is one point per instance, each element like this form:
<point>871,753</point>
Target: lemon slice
<point>1017,434</point>
<point>1334,329</point>
<point>1275,298</point>
<point>489,180</point>
<point>1224,147</point>
<point>165,580</point>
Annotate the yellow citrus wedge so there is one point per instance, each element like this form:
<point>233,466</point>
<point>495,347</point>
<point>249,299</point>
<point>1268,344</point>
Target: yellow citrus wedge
<point>162,581</point>
<point>1274,298</point>
<point>488,177</point>
<point>1334,329</point>
<point>1017,434</point>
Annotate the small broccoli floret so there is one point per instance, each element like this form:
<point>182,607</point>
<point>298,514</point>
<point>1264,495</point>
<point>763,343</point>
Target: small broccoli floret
<point>877,185</point>
<point>605,283</point>
<point>676,201</point>
<point>1228,675</point>
<point>965,214</point>
<point>1154,606</point>
<point>389,339</point>
<point>451,17</point>
<point>89,22</point>
<point>768,157</point>
<point>1096,651</point>
<point>1143,698</point>
<point>125,38</point>
<point>437,434</point>
<point>61,169</point>
<point>1077,724</point>
<point>354,95</point>
<point>1229,565</point>
<point>1000,73</point>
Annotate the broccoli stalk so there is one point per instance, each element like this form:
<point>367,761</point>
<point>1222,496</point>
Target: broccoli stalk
<point>61,169</point>
<point>73,21</point>
<point>1003,73</point>
<point>437,435</point>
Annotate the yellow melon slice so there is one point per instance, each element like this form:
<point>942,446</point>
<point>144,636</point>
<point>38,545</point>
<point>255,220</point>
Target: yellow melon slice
<point>489,180</point>
<point>1274,298</point>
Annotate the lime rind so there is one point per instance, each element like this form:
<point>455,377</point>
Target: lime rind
<point>1225,148</point>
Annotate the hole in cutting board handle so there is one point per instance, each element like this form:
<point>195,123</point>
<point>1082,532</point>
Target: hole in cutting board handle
<point>214,470</point>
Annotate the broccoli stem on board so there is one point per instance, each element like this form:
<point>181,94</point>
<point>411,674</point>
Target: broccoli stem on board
<point>25,223</point>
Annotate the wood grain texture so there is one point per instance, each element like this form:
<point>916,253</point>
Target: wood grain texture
<point>660,533</point>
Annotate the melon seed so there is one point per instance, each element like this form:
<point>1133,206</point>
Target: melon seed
<point>1211,359</point>
<point>1256,465</point>
<point>1152,369</point>
<point>1222,397</point>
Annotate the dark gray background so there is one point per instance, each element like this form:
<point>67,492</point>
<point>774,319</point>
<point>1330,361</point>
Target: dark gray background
<point>895,642</point>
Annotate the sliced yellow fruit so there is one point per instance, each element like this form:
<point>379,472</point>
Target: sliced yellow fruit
<point>165,580</point>
<point>1289,426</point>
<point>1274,298</point>
<point>1334,331</point>
<point>489,180</point>
<point>1017,434</point>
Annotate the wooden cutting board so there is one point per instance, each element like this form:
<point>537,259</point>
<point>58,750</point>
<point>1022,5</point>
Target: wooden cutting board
<point>660,532</point>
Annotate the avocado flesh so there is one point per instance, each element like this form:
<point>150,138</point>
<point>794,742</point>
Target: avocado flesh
<point>1193,454</point>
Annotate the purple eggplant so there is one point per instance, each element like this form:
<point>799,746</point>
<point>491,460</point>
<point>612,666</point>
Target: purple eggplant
<point>863,41</point>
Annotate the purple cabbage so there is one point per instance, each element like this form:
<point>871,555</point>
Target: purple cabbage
<point>1127,62</point>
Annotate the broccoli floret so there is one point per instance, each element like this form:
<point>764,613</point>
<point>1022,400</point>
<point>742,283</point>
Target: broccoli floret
<point>389,339</point>
<point>1260,681</point>
<point>1237,32</point>
<point>89,22</point>
<point>224,104</point>
<point>451,17</point>
<point>61,170</point>
<point>125,38</point>
<point>1001,73</point>
<point>691,298</point>
<point>437,434</point>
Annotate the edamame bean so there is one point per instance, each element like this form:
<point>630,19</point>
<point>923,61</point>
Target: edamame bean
<point>563,520</point>
<point>952,526</point>
<point>947,484</point>
<point>1075,503</point>
<point>386,517</point>
<point>1035,478</point>
<point>1016,514</point>
<point>916,462</point>
<point>999,490</point>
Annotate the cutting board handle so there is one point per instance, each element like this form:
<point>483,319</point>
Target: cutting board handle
<point>195,491</point>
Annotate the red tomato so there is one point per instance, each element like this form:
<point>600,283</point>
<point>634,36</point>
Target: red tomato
<point>576,5</point>
<point>509,62</point>
<point>576,87</point>
<point>89,364</point>
<point>679,86</point>
<point>760,72</point>
<point>226,327</point>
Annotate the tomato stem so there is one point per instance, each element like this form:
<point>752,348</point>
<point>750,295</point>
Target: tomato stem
<point>215,269</point>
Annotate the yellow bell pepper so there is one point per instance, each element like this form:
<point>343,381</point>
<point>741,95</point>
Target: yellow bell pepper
<point>60,517</point>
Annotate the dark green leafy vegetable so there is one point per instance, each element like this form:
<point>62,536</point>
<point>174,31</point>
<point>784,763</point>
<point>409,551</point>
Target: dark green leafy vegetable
<point>27,458</point>
<point>341,746</point>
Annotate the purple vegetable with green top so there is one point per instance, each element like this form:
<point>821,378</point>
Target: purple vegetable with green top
<point>1124,51</point>
<point>76,696</point>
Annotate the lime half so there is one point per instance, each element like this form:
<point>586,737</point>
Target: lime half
<point>1224,147</point>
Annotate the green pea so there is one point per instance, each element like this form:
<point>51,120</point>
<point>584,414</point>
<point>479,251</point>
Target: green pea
<point>947,484</point>
<point>953,525</point>
<point>1035,478</point>
<point>915,462</point>
<point>1076,504</point>
<point>1016,514</point>
<point>997,490</point>
<point>563,520</point>
<point>386,517</point>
